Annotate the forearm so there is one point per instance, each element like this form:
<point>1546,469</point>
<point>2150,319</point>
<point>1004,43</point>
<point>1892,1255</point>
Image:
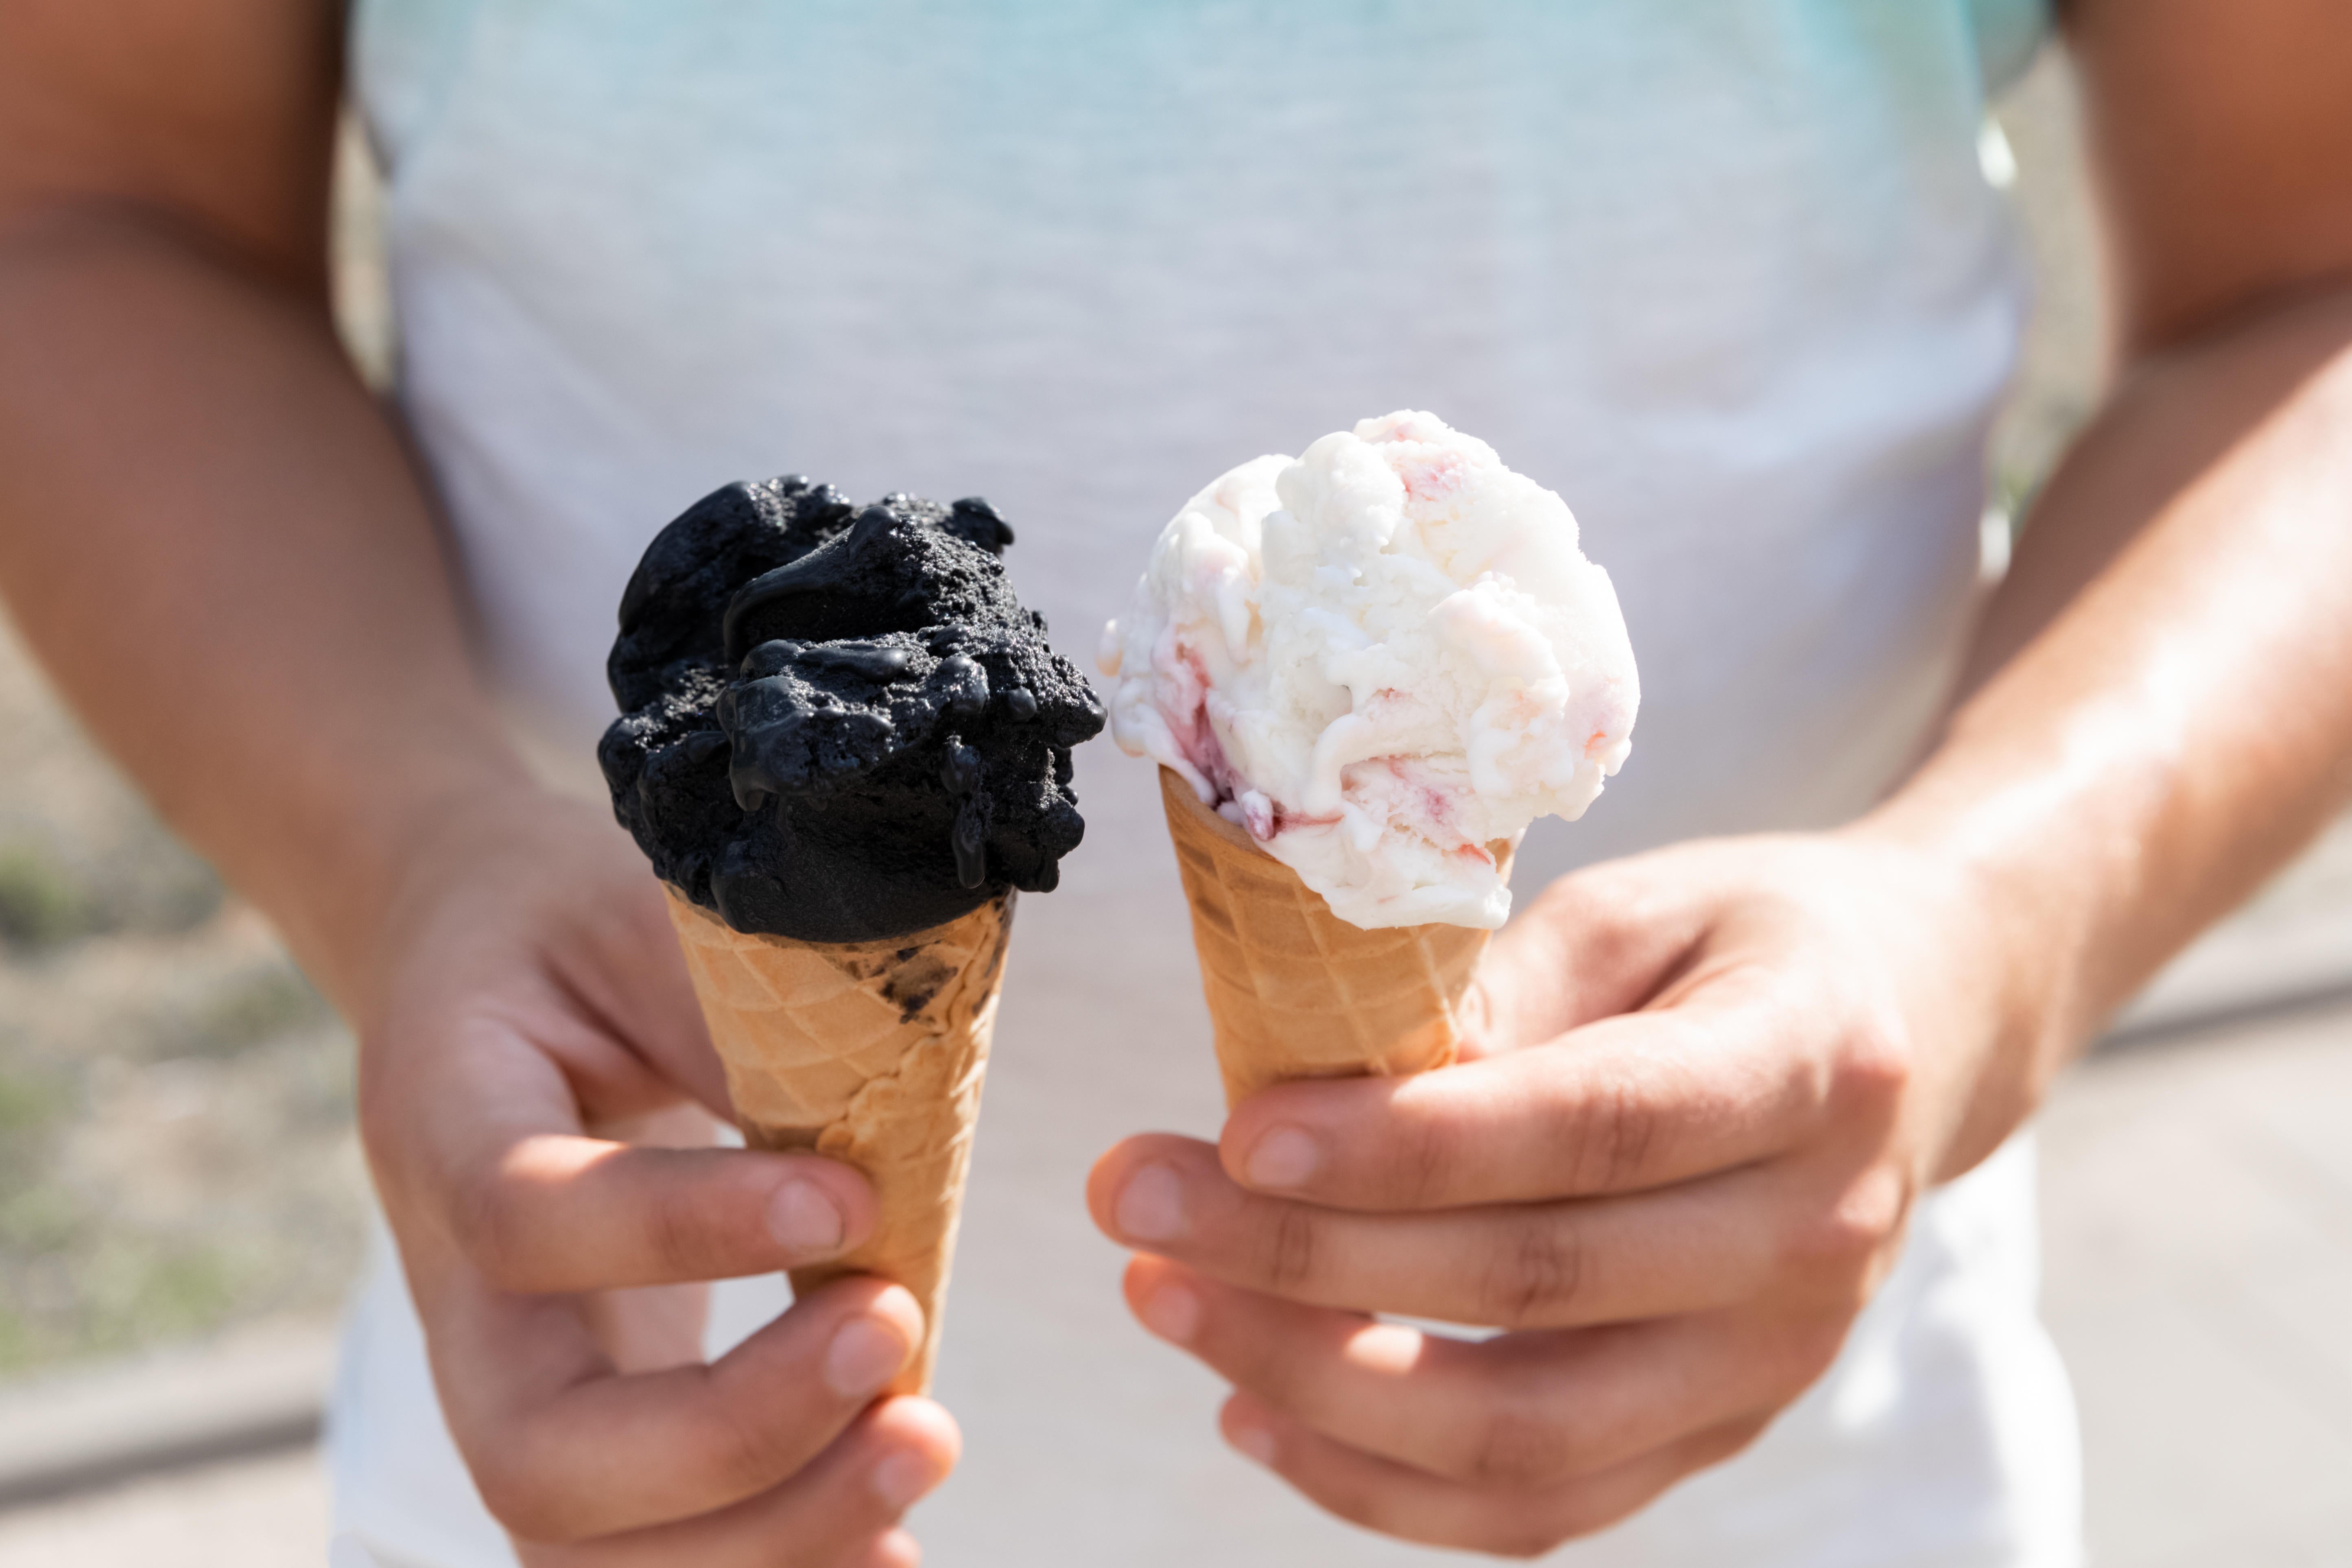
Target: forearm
<point>217,543</point>
<point>2159,707</point>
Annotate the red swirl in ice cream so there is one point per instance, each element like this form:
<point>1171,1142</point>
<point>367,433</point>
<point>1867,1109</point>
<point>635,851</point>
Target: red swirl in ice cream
<point>1379,657</point>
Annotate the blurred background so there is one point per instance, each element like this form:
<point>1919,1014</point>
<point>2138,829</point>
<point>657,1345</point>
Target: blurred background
<point>181,1192</point>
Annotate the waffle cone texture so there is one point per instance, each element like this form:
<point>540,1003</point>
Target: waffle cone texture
<point>1295,992</point>
<point>871,1053</point>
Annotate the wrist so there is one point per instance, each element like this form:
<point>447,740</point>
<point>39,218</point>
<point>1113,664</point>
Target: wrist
<point>2021,873</point>
<point>378,856</point>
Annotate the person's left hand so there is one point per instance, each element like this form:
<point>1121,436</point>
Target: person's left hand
<point>1707,1087</point>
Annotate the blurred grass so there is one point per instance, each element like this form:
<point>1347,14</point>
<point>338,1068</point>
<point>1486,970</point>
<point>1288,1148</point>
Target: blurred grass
<point>157,1182</point>
<point>176,1143</point>
<point>253,1008</point>
<point>39,904</point>
<point>146,881</point>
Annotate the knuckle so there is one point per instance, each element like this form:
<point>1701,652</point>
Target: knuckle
<point>1538,1279</point>
<point>1422,1162</point>
<point>1878,1204</point>
<point>1826,1239</point>
<point>482,1220</point>
<point>743,1454</point>
<point>1290,1250</point>
<point>1845,1236</point>
<point>519,1497</point>
<point>1875,1067</point>
<point>674,1222</point>
<point>1611,1136</point>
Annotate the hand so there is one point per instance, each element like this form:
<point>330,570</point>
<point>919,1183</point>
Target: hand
<point>536,1046</point>
<point>1707,1087</point>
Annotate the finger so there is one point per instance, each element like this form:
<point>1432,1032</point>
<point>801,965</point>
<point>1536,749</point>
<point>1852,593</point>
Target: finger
<point>553,1211</point>
<point>564,1448</point>
<point>1594,944</point>
<point>629,974</point>
<point>1732,1075</point>
<point>501,1165</point>
<point>1518,1412</point>
<point>1413,1505</point>
<point>841,1511</point>
<point>1520,1266</point>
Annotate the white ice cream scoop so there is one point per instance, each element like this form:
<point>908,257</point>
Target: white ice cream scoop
<point>1377,658</point>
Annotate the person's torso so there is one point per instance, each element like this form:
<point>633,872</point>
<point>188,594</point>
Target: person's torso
<point>1725,273</point>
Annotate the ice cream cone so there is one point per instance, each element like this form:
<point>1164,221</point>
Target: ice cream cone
<point>869,1052</point>
<point>1293,990</point>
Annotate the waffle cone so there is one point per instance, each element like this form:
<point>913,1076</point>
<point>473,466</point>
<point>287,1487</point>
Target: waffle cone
<point>870,1053</point>
<point>1295,992</point>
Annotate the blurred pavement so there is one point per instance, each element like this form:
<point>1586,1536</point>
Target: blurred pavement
<point>2198,1198</point>
<point>269,1512</point>
<point>2198,1215</point>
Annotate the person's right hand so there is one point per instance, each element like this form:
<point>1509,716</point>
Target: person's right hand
<point>533,1045</point>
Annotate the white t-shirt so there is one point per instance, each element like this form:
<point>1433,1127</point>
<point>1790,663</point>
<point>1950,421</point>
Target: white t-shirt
<point>1725,273</point>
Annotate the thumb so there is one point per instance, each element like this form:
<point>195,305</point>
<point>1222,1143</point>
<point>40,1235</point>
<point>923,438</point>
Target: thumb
<point>1594,944</point>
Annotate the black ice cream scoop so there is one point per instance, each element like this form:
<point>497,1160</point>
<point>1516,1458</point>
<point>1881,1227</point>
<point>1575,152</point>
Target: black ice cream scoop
<point>837,723</point>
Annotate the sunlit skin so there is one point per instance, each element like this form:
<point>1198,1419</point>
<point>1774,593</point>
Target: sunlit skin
<point>1716,1077</point>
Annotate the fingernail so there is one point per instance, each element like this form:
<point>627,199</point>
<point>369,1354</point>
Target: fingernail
<point>1151,1205</point>
<point>1173,1313</point>
<point>1255,1441</point>
<point>864,1354</point>
<point>901,1478</point>
<point>803,1217</point>
<point>1284,1157</point>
